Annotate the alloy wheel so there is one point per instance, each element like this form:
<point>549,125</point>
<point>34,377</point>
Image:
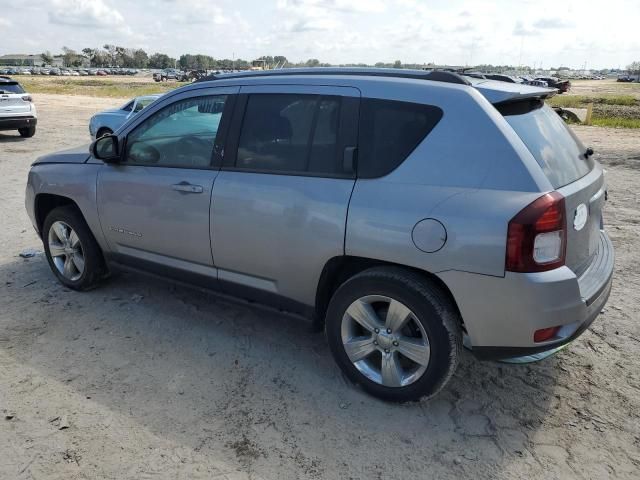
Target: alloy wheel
<point>385,341</point>
<point>66,251</point>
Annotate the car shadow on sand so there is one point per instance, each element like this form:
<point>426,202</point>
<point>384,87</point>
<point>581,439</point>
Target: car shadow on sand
<point>207,372</point>
<point>6,137</point>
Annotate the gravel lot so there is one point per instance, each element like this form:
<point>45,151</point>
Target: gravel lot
<point>144,379</point>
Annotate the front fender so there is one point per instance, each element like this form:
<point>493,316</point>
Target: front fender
<point>76,182</point>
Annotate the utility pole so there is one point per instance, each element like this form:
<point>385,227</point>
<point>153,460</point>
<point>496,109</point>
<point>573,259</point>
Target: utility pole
<point>520,56</point>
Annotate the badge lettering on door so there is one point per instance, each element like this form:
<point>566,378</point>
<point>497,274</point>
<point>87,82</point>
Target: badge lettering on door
<point>580,217</point>
<point>128,232</point>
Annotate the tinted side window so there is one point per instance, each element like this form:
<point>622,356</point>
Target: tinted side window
<point>180,135</point>
<point>290,134</point>
<point>389,132</point>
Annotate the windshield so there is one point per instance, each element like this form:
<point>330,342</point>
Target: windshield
<point>11,88</point>
<point>555,147</point>
<point>143,103</point>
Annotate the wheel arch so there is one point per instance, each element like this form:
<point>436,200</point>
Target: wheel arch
<point>339,269</point>
<point>103,129</point>
<point>44,203</point>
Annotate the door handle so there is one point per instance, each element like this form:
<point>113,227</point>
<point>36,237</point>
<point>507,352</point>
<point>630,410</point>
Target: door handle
<point>185,187</point>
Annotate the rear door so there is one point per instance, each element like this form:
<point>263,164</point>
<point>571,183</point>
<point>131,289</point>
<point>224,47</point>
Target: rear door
<point>280,202</point>
<point>562,157</point>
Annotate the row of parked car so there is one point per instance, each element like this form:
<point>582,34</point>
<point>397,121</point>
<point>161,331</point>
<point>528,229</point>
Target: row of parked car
<point>67,72</point>
<point>588,77</point>
<point>629,78</point>
<point>561,85</point>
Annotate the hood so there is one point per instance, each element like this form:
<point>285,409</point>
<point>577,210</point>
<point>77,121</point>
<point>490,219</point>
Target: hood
<point>73,155</point>
<point>112,111</point>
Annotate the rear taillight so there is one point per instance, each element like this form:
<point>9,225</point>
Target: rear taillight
<point>537,236</point>
<point>27,98</point>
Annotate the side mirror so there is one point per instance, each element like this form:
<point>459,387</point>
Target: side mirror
<point>106,149</point>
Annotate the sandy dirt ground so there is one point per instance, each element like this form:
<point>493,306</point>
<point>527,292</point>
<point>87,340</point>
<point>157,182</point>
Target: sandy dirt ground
<point>143,379</point>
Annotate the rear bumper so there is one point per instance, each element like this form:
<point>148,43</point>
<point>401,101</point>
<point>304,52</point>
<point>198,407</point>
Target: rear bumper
<point>14,123</point>
<point>507,353</point>
<point>502,314</point>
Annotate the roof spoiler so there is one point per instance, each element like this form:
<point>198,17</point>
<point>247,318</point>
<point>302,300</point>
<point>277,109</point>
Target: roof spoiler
<point>499,93</point>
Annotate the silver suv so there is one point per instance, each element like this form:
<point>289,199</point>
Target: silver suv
<point>406,211</point>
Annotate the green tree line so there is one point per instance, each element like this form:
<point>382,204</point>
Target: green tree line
<point>110,55</point>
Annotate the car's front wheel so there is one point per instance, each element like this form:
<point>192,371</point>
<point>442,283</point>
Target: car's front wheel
<point>72,252</point>
<point>394,333</point>
<point>27,132</point>
<point>103,131</point>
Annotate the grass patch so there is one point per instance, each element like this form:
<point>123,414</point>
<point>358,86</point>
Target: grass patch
<point>617,111</point>
<point>95,87</point>
<point>616,122</point>
<point>581,101</point>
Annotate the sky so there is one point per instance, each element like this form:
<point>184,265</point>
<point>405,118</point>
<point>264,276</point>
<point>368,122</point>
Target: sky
<point>540,33</point>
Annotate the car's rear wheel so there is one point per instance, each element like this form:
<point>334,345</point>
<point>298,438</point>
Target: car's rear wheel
<point>104,131</point>
<point>394,333</point>
<point>27,132</point>
<point>71,250</point>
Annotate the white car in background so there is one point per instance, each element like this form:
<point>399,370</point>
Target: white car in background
<point>17,111</point>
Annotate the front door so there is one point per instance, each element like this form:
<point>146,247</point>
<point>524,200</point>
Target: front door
<point>154,205</point>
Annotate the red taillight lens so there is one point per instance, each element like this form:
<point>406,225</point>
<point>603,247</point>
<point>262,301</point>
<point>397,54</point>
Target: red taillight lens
<point>536,238</point>
<point>27,98</point>
<point>545,334</point>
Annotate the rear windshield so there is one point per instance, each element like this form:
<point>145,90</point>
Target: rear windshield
<point>555,147</point>
<point>10,88</point>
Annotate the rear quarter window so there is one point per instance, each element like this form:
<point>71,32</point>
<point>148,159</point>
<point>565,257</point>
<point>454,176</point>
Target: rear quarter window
<point>389,132</point>
<point>553,144</point>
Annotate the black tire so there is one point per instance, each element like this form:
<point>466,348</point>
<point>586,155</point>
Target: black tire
<point>432,308</point>
<point>104,131</point>
<point>27,132</point>
<point>94,265</point>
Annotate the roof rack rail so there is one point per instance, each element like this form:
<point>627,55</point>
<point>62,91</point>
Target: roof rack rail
<point>433,75</point>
